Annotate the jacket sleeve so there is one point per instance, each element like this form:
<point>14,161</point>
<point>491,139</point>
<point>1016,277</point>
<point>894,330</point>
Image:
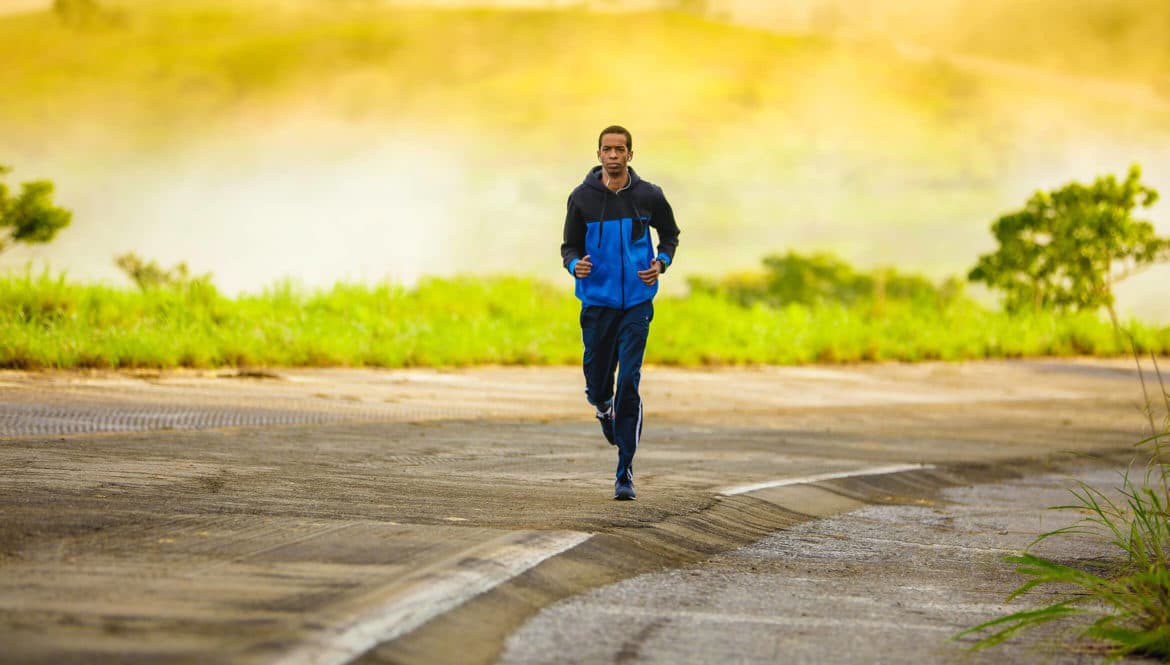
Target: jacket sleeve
<point>663,222</point>
<point>573,245</point>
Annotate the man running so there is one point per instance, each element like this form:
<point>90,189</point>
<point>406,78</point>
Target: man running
<point>607,248</point>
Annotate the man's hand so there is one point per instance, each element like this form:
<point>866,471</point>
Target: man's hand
<point>583,268</point>
<point>650,276</point>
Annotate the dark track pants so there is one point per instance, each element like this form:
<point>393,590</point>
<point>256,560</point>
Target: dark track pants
<point>616,339</point>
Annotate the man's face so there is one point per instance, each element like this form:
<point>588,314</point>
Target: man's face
<point>613,154</point>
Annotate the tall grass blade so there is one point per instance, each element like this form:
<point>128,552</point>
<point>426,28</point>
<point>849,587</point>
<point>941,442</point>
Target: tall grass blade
<point>1019,621</point>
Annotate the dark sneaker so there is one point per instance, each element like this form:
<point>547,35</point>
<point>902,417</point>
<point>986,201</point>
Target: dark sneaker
<point>623,489</point>
<point>606,420</point>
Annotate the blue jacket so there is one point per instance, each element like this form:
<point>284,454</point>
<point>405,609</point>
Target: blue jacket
<point>613,230</point>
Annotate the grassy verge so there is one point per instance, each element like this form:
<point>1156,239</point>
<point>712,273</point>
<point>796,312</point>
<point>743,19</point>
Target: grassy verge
<point>50,322</point>
<point>1123,605</point>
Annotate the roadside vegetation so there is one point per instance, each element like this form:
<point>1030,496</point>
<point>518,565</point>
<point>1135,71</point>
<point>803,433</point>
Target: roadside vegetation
<point>1057,262</point>
<point>47,321</point>
<point>30,217</point>
<point>1064,251</point>
<point>1121,604</point>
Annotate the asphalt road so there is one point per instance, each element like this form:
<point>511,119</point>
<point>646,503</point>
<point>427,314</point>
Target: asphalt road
<point>883,583</point>
<point>334,516</point>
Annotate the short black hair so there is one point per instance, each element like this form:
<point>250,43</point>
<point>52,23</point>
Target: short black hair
<point>616,129</point>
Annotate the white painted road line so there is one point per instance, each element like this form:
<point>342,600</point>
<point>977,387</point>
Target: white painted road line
<point>428,593</point>
<point>804,480</point>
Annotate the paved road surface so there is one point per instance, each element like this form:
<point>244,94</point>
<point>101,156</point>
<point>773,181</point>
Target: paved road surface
<point>879,584</point>
<point>430,516</point>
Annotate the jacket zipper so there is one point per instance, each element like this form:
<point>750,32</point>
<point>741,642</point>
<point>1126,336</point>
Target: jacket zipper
<point>601,218</point>
<point>622,242</point>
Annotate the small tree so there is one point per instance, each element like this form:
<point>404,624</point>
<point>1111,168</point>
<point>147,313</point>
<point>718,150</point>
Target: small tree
<point>150,275</point>
<point>1069,247</point>
<point>30,217</point>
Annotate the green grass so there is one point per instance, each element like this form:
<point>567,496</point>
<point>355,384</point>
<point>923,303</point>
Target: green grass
<point>1120,605</point>
<point>49,322</point>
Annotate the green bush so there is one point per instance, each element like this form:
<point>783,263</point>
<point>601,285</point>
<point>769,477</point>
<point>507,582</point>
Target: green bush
<point>823,278</point>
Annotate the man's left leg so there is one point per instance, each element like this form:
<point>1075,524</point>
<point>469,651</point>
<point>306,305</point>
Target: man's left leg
<point>632,333</point>
<point>599,331</point>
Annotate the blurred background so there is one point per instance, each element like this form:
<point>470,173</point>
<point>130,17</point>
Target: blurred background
<point>366,140</point>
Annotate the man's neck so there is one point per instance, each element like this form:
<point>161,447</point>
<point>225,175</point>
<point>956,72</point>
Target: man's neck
<point>616,183</point>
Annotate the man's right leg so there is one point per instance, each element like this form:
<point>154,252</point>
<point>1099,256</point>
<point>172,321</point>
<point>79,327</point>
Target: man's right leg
<point>599,334</point>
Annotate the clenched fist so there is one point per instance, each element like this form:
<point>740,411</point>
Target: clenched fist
<point>583,267</point>
<point>650,275</point>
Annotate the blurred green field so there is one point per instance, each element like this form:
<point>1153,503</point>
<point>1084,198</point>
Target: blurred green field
<point>50,322</point>
<point>1111,39</point>
<point>167,73</point>
<point>177,67</point>
<point>233,134</point>
<point>700,91</point>
<point>158,70</point>
<point>359,142</point>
